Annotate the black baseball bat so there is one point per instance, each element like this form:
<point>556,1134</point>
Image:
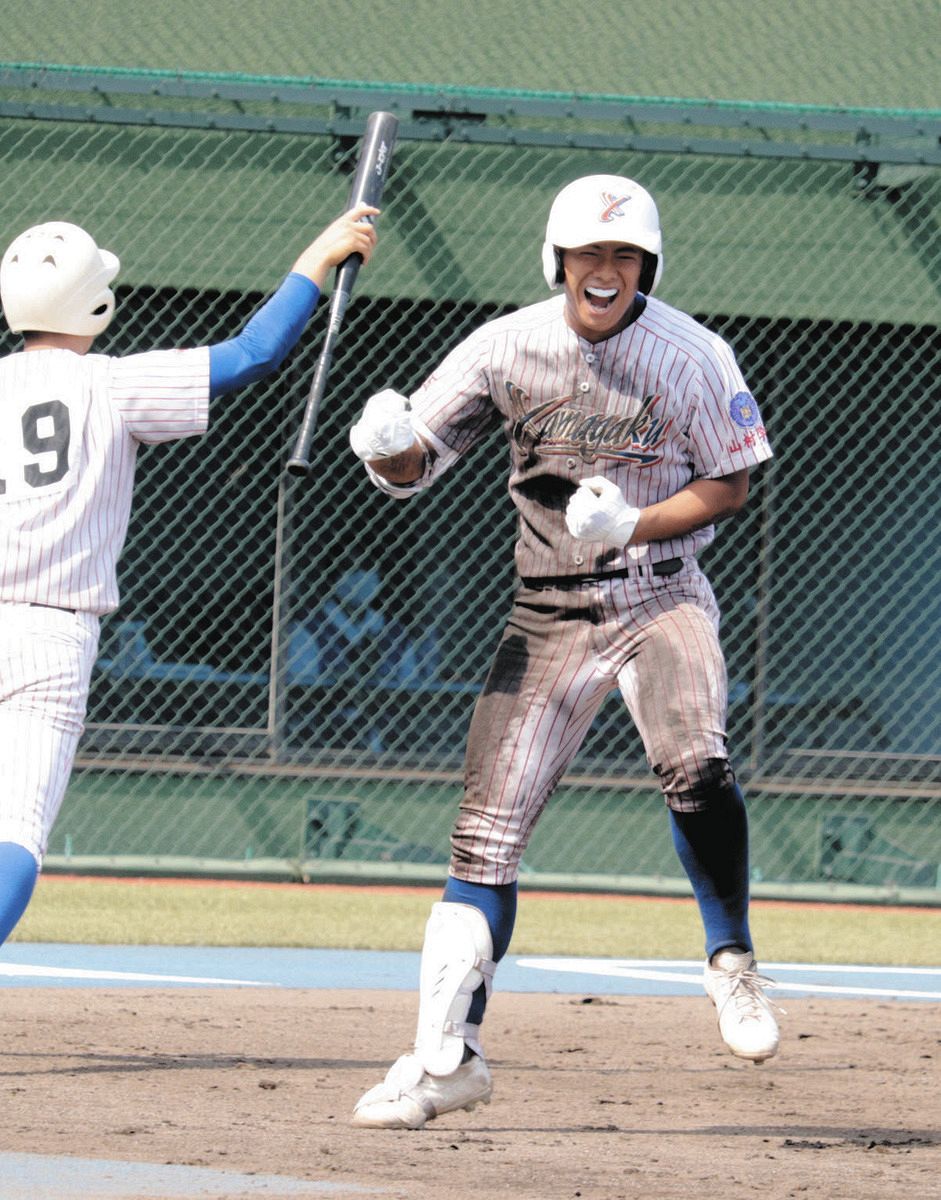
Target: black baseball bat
<point>372,169</point>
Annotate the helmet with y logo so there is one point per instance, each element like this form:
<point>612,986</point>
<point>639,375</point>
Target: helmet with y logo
<point>603,208</point>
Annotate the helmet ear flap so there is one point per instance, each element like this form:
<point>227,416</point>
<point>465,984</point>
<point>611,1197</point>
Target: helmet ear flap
<point>552,265</point>
<point>650,273</point>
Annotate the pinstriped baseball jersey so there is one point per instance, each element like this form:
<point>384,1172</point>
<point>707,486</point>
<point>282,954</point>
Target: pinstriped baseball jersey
<point>70,426</point>
<point>654,407</point>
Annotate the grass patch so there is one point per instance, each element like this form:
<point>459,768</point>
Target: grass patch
<point>214,913</point>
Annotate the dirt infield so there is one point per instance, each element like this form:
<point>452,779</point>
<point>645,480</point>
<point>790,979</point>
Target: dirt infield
<point>604,1099</point>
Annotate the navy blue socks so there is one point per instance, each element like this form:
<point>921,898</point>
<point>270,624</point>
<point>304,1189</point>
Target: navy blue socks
<point>497,901</point>
<point>18,871</point>
<point>712,845</point>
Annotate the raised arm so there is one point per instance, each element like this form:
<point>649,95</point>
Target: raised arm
<point>275,328</point>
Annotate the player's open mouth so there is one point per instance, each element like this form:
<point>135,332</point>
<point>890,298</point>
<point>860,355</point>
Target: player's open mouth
<point>600,299</point>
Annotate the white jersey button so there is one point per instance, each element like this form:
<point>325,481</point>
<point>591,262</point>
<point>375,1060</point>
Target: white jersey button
<point>583,387</point>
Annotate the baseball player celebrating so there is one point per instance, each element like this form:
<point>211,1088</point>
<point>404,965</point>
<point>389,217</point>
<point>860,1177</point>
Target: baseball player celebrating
<point>70,426</point>
<point>631,432</point>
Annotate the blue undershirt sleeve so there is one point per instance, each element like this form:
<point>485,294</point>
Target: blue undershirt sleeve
<point>266,340</point>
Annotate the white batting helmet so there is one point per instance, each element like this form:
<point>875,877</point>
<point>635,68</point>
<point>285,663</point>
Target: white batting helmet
<point>603,208</point>
<point>54,278</point>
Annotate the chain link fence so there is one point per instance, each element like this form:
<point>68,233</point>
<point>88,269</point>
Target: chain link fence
<point>881,54</point>
<point>223,733</point>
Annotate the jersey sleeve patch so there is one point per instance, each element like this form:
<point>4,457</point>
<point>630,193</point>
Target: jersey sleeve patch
<point>744,411</point>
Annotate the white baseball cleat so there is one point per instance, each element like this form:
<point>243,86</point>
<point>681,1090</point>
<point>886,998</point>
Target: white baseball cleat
<point>408,1097</point>
<point>746,1022</point>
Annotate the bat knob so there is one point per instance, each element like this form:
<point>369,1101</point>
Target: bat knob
<point>297,466</point>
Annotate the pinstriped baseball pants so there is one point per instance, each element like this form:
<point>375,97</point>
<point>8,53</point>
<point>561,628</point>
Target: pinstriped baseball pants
<point>562,651</point>
<point>46,660</point>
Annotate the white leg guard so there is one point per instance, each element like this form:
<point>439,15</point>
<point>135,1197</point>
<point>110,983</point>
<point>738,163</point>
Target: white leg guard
<point>457,957</point>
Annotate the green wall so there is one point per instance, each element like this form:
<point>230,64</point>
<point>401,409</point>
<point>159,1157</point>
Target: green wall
<point>880,54</point>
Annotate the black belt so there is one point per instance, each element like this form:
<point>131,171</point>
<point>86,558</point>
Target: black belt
<point>36,604</point>
<point>666,566</point>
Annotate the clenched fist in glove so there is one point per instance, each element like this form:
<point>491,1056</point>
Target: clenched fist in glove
<point>597,512</point>
<point>384,428</point>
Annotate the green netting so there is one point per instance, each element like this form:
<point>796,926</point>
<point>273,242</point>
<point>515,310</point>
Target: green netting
<point>882,54</point>
<point>207,748</point>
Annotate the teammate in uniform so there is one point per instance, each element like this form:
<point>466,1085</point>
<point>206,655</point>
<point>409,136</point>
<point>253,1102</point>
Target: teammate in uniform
<point>631,432</point>
<point>70,426</point>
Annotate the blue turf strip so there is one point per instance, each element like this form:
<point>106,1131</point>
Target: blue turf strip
<point>61,1177</point>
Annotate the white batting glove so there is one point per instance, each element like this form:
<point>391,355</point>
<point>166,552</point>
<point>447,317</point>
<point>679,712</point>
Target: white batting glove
<point>597,512</point>
<point>384,428</point>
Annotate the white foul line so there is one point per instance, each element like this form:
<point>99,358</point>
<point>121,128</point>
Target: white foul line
<point>628,969</point>
<point>21,971</point>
